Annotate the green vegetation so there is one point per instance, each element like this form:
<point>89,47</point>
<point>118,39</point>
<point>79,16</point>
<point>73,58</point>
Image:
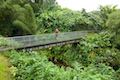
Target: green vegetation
<point>37,67</point>
<point>4,68</point>
<point>67,20</point>
<point>113,24</point>
<point>96,57</point>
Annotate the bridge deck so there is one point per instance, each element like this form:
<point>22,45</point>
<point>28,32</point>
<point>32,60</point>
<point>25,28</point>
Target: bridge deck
<point>43,40</point>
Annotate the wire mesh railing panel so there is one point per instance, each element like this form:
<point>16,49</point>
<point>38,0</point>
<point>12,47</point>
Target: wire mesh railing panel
<point>35,40</point>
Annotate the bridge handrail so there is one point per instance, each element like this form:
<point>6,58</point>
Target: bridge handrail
<point>32,40</point>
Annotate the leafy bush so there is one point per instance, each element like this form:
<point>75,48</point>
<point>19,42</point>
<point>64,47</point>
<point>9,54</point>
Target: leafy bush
<point>106,10</point>
<point>113,24</point>
<point>66,20</point>
<point>97,48</point>
<point>93,41</point>
<point>33,66</point>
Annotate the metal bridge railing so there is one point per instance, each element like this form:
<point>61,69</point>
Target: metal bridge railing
<point>33,40</point>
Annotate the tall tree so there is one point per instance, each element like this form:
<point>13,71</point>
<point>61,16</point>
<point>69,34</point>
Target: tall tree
<point>105,11</point>
<point>17,18</point>
<point>42,5</point>
<point>113,24</point>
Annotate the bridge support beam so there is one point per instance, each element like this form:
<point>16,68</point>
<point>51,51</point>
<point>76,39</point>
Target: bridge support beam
<point>74,45</point>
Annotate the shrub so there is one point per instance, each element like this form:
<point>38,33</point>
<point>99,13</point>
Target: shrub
<point>113,24</point>
<point>33,66</point>
<point>66,20</point>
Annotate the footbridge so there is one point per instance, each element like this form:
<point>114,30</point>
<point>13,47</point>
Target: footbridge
<point>43,40</point>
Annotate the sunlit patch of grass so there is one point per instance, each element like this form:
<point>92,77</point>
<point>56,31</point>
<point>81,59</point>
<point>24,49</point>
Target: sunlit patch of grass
<point>4,69</point>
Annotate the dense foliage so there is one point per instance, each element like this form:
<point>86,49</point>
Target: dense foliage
<point>113,24</point>
<point>34,66</point>
<point>18,17</point>
<point>67,20</point>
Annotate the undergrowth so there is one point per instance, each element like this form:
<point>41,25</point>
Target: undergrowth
<point>4,69</point>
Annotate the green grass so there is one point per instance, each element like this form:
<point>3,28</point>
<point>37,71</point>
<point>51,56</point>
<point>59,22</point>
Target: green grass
<point>4,69</point>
